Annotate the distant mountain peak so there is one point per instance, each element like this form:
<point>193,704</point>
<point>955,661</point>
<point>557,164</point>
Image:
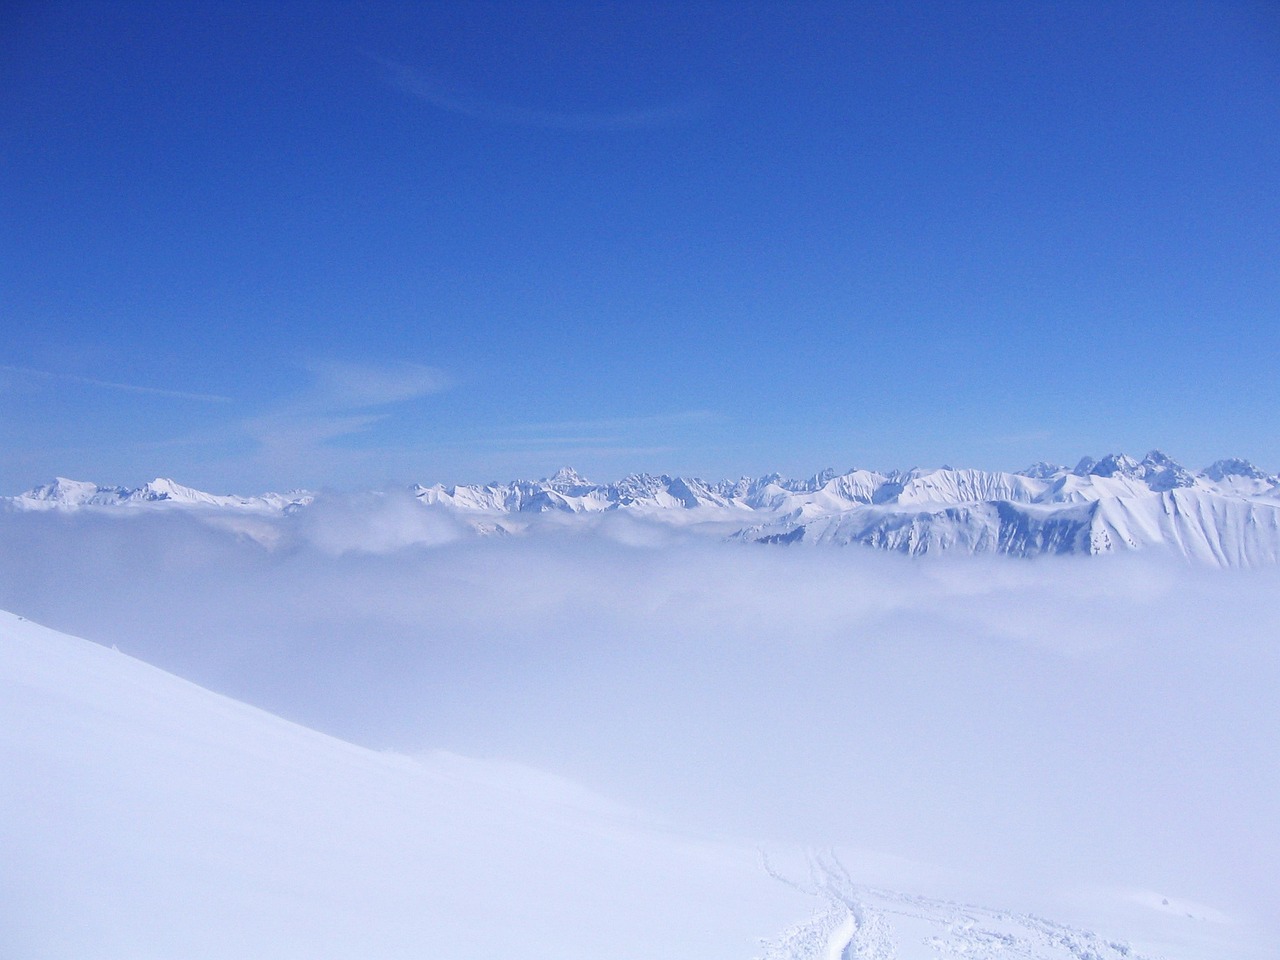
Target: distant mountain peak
<point>1084,467</point>
<point>1157,470</point>
<point>567,475</point>
<point>1042,470</point>
<point>1115,464</point>
<point>62,488</point>
<point>163,488</point>
<point>823,477</point>
<point>1233,467</point>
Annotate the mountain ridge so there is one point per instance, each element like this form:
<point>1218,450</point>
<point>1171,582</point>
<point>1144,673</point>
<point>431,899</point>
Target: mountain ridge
<point>1226,514</point>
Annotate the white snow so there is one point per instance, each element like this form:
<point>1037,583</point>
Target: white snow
<point>1225,515</point>
<point>143,817</point>
<point>64,494</point>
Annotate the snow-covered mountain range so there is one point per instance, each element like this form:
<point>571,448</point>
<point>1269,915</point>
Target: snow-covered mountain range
<point>1227,514</point>
<point>66,494</point>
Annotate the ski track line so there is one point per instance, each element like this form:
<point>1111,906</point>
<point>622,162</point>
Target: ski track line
<point>853,923</point>
<point>840,938</point>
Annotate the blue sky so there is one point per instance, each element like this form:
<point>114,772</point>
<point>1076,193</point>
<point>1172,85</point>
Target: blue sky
<point>275,245</point>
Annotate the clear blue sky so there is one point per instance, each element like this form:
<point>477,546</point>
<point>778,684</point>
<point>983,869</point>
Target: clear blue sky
<point>277,244</point>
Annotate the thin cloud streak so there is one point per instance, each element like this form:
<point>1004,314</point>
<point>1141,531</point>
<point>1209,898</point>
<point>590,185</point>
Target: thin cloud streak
<point>1031,436</point>
<point>298,431</point>
<point>112,385</point>
<point>604,443</point>
<point>418,85</point>
<point>601,450</point>
<point>548,441</point>
<point>344,385</point>
<point>678,418</point>
<point>344,401</point>
<point>572,441</point>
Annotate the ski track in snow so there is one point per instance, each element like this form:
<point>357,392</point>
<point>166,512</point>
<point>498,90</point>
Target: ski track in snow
<point>864,923</point>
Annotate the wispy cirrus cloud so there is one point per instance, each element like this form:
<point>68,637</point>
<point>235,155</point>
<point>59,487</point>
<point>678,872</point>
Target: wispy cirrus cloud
<point>449,452</point>
<point>343,400</point>
<point>647,435</point>
<point>339,384</point>
<point>1030,436</point>
<point>338,421</point>
<point>462,103</point>
<point>613,425</point>
<point>49,375</point>
<point>301,430</point>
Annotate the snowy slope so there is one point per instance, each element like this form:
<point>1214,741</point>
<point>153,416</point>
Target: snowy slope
<point>144,817</point>
<point>1225,515</point>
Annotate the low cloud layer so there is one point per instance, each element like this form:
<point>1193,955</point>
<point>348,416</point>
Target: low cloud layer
<point>1064,722</point>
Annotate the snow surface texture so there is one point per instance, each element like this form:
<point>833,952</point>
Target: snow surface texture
<point>1225,515</point>
<point>860,923</point>
<point>152,819</point>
